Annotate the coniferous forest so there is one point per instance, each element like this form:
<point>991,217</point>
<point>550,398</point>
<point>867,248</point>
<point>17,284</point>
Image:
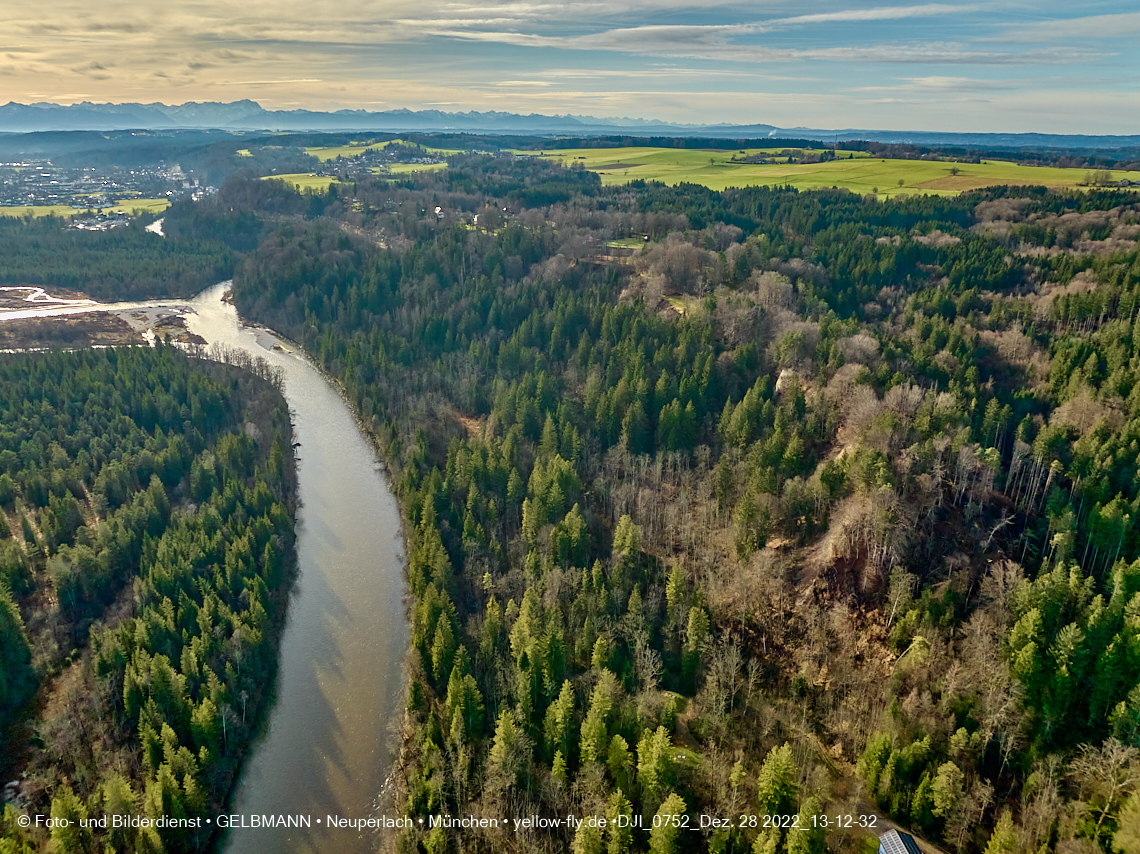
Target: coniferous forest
<point>146,504</point>
<point>808,504</point>
<point>738,504</point>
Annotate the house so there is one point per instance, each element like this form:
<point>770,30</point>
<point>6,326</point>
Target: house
<point>897,842</point>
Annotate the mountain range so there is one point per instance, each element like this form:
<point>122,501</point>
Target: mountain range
<point>247,115</point>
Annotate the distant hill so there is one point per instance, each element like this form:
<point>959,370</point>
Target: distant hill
<point>248,115</point>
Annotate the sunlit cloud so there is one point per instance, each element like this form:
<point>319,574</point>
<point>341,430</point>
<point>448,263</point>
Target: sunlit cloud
<point>939,84</point>
<point>269,82</point>
<point>774,61</point>
<point>716,42</point>
<point>882,13</point>
<point>1097,27</point>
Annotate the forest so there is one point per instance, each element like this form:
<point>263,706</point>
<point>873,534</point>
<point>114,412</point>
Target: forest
<point>124,264</point>
<point>110,266</point>
<point>811,504</point>
<point>146,515</point>
<point>748,504</point>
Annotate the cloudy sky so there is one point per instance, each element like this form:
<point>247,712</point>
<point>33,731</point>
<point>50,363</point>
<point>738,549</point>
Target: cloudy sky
<point>1048,66</point>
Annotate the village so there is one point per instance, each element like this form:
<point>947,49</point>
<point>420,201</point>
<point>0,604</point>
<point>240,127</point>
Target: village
<point>28,184</point>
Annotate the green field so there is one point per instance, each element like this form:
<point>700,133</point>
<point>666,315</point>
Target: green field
<point>698,156</point>
<point>131,206</point>
<point>626,243</point>
<point>244,152</point>
<point>405,168</point>
<point>40,210</point>
<point>682,303</point>
<point>354,149</point>
<point>305,180</point>
<point>861,174</point>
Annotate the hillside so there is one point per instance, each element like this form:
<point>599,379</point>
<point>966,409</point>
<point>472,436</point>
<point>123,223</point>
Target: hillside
<point>801,510</point>
<point>249,115</point>
<point>811,500</point>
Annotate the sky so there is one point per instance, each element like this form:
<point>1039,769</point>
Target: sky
<point>1051,67</point>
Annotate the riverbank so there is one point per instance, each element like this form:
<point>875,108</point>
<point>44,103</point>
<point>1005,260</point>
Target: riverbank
<point>325,742</point>
<point>326,746</point>
<point>139,552</point>
<point>279,343</point>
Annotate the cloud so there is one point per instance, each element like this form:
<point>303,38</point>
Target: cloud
<point>1068,29</point>
<point>269,82</point>
<point>935,84</point>
<point>468,27</point>
<point>111,27</point>
<point>717,42</point>
<point>658,58</point>
<point>363,22</point>
<point>882,13</point>
<point>664,71</point>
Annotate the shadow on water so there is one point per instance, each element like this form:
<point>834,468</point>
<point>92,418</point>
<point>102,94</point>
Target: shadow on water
<point>324,748</point>
<point>321,743</point>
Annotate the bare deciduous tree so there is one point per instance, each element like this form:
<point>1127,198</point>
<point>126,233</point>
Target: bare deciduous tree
<point>1106,773</point>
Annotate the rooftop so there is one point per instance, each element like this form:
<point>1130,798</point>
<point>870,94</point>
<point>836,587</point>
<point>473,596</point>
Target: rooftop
<point>898,842</point>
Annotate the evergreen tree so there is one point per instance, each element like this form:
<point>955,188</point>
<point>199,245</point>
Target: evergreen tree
<point>776,782</point>
<point>667,824</point>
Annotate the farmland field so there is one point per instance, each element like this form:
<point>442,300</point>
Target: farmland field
<point>305,180</point>
<point>354,149</point>
<point>405,168</point>
<point>861,174</point>
<point>128,206</point>
<point>133,206</point>
<point>39,210</point>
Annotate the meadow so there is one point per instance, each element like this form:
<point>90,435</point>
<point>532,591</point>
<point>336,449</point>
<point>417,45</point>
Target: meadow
<point>355,149</point>
<point>134,206</point>
<point>405,168</point>
<point>39,210</point>
<point>305,181</point>
<point>860,174</point>
<point>352,149</point>
<point>626,243</point>
<point>127,206</point>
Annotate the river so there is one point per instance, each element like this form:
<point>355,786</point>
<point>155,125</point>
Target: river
<point>325,747</point>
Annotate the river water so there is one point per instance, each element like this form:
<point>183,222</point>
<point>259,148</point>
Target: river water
<point>326,746</point>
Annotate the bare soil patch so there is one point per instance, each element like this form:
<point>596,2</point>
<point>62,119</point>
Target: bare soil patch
<point>100,329</point>
<point>471,425</point>
<point>161,322</point>
<point>173,328</point>
<point>16,296</point>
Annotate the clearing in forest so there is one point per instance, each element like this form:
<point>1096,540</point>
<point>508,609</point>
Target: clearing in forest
<point>306,181</point>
